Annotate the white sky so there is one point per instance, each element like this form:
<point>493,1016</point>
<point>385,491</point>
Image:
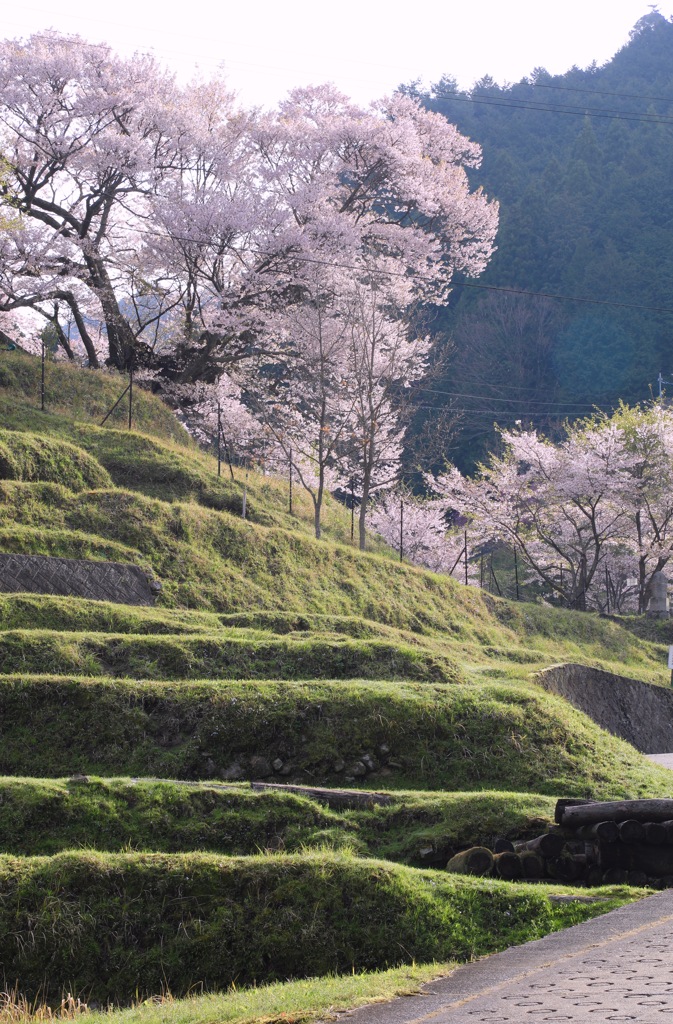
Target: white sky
<point>367,47</point>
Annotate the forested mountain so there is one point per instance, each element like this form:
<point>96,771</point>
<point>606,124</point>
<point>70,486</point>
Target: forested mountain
<point>582,166</point>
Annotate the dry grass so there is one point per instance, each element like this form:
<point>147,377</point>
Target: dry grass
<point>17,1009</point>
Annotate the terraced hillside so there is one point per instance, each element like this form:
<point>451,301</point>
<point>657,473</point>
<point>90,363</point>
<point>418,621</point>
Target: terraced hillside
<point>136,855</point>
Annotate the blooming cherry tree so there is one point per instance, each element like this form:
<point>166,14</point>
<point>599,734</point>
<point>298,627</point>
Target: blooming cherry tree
<point>559,505</point>
<point>417,527</point>
<point>125,188</point>
<point>86,146</point>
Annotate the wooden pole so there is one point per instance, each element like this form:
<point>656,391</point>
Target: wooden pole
<point>551,844</point>
<point>617,810</point>
<point>495,578</point>
<point>607,590</point>
<point>401,529</point>
<point>42,382</point>
<point>109,413</point>
<point>507,865</point>
<point>131,396</point>
<point>219,438</point>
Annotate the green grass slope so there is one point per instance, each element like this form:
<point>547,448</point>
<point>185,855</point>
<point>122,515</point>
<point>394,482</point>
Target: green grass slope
<point>213,560</point>
<point>73,395</point>
<point>228,654</point>
<point>436,736</point>
<point>122,926</point>
<point>272,656</point>
<point>34,457</point>
<point>47,816</point>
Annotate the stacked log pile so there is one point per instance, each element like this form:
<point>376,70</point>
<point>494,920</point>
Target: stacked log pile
<point>610,843</point>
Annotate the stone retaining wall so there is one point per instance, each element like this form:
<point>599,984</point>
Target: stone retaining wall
<point>74,577</point>
<point>637,712</point>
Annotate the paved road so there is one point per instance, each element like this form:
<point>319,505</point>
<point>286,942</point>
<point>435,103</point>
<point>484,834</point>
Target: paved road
<point>665,760</point>
<point>618,967</point>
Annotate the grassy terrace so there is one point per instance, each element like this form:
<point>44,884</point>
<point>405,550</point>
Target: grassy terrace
<point>438,736</point>
<point>47,816</point>
<point>135,857</point>
<point>207,920</point>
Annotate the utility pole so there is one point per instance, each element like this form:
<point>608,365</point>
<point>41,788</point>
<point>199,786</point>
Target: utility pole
<point>661,382</point>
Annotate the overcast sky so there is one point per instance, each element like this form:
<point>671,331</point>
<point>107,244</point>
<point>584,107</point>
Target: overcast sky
<point>366,47</point>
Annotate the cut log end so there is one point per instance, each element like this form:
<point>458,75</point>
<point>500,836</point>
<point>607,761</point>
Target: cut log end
<point>508,865</point>
<point>478,860</point>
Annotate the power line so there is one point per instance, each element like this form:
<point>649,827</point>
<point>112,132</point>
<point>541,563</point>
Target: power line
<point>503,289</point>
<point>488,101</point>
<point>495,398</point>
<point>668,310</point>
<point>539,414</point>
<point>565,298</point>
<point>480,382</point>
<point>599,92</point>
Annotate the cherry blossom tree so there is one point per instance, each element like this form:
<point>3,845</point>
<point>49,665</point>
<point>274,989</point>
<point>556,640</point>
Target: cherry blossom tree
<point>385,356</point>
<point>303,395</point>
<point>561,506</point>
<point>86,139</point>
<point>417,527</point>
<point>647,437</point>
<point>126,188</point>
<point>591,515</point>
<point>215,413</point>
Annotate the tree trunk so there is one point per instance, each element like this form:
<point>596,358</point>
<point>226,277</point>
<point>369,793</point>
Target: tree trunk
<point>121,339</point>
<point>631,831</point>
<point>615,876</point>
<point>367,468</point>
<point>565,802</point>
<point>362,524</point>
<point>655,833</point>
<point>565,869</point>
<point>317,504</point>
<point>89,347</point>
<point>532,864</point>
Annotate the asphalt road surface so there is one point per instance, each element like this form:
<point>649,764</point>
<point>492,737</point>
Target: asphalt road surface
<point>665,760</point>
